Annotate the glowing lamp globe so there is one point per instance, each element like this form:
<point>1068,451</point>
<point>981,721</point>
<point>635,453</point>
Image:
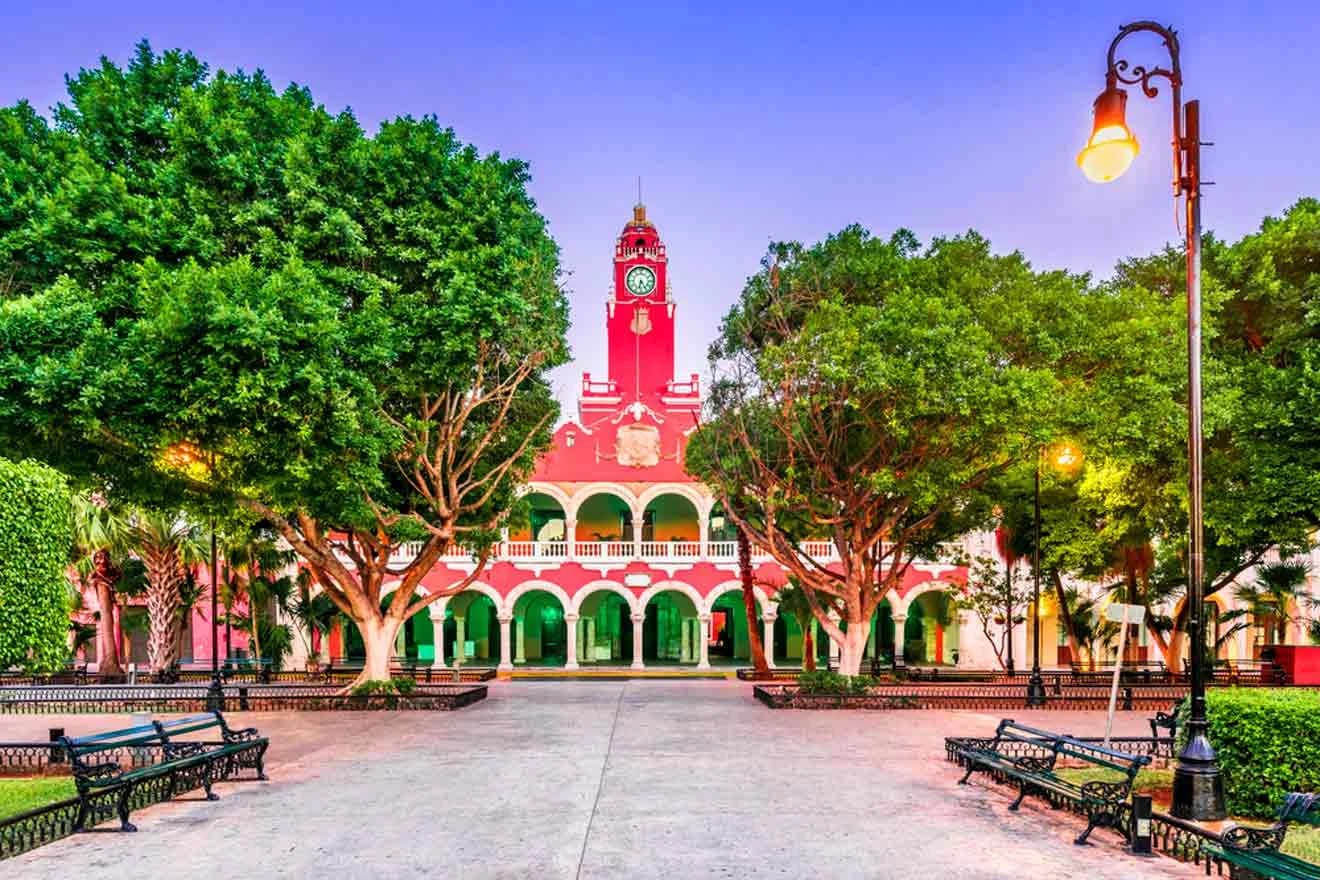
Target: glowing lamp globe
<point>1112,147</point>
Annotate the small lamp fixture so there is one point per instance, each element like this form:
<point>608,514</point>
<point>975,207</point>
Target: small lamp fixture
<point>1112,147</point>
<point>1067,457</point>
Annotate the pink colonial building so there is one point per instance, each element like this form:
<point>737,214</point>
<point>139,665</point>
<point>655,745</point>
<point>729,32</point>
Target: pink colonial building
<point>624,559</point>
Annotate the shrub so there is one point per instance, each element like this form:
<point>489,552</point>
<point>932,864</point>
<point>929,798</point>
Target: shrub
<point>1268,743</point>
<point>821,682</point>
<point>36,538</point>
<point>403,687</point>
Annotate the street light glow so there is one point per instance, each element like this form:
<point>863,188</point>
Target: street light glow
<point>1112,147</point>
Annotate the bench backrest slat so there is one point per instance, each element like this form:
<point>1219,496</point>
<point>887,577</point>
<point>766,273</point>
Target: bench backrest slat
<point>1301,807</point>
<point>1062,744</point>
<point>190,724</point>
<point>141,735</point>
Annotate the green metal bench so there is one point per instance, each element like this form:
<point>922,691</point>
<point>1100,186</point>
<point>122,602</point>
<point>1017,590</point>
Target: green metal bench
<point>183,766</point>
<point>1033,770</point>
<point>1254,852</point>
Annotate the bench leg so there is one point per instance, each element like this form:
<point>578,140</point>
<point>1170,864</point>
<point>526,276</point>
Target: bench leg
<point>80,821</point>
<point>971,768</point>
<point>206,782</point>
<point>261,764</point>
<point>1022,793</point>
<point>122,807</point>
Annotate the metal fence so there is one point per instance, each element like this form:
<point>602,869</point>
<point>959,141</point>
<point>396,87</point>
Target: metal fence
<point>970,696</point>
<point>81,699</point>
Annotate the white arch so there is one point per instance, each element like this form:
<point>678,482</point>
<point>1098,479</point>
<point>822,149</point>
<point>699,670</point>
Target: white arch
<point>736,586</point>
<point>701,503</point>
<point>526,587</point>
<point>677,586</point>
<point>931,586</point>
<point>564,499</point>
<point>481,587</point>
<point>585,591</point>
<point>618,490</point>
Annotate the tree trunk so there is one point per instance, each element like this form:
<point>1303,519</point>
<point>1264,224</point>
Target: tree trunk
<point>759,661</point>
<point>164,587</point>
<point>378,637</point>
<point>1065,614</point>
<point>853,647</point>
<point>808,646</point>
<point>107,649</point>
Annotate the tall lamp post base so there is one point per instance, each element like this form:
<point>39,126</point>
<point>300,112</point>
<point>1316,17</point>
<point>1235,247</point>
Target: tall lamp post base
<point>1036,689</point>
<point>1198,787</point>
<point>215,694</point>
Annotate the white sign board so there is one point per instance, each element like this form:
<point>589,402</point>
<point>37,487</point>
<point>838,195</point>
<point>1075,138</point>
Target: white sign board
<point>1120,613</point>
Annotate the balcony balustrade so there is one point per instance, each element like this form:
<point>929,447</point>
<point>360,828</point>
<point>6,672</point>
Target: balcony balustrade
<point>595,551</point>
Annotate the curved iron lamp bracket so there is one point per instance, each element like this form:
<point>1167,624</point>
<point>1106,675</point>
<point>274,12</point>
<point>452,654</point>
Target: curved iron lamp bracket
<point>1120,70</point>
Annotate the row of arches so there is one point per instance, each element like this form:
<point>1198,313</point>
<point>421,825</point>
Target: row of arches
<point>538,624</point>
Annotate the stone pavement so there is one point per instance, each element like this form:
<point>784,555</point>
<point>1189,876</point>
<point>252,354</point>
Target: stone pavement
<point>603,780</point>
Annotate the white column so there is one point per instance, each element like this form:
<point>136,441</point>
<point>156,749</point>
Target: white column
<point>438,627</point>
<point>703,535</point>
<point>519,639</point>
<point>899,620</point>
<point>638,620</point>
<point>570,537</point>
<point>505,663</point>
<point>870,636</point>
<point>965,623</point>
<point>460,635</point>
<point>703,642</point>
<point>401,641</point>
<point>589,625</point>
<point>685,653</point>
<point>638,517</point>
<point>570,641</point>
<point>768,640</point>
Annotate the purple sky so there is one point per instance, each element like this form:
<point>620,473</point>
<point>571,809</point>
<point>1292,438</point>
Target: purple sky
<point>765,121</point>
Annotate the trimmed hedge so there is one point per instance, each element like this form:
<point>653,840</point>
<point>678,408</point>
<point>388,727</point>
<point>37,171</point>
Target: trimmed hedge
<point>822,682</point>
<point>36,538</point>
<point>1268,743</point>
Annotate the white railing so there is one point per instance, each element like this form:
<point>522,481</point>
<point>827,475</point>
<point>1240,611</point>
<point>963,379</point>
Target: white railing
<point>658,551</point>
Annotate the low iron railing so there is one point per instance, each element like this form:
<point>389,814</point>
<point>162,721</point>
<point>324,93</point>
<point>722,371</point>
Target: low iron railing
<point>83,699</point>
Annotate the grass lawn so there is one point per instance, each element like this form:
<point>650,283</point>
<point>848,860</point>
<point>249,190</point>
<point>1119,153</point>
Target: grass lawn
<point>1302,841</point>
<point>21,795</point>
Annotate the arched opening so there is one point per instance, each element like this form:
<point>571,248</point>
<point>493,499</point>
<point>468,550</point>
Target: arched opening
<point>541,531</point>
<point>472,624</point>
<point>880,645</point>
<point>789,641</point>
<point>540,632</point>
<point>605,632</point>
<point>930,635</point>
<point>604,527</point>
<point>671,632</point>
<point>671,528</point>
<point>730,641</point>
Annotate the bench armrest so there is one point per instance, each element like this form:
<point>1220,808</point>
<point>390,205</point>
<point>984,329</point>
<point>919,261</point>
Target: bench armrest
<point>1240,837</point>
<point>1109,792</point>
<point>105,772</point>
<point>247,734</point>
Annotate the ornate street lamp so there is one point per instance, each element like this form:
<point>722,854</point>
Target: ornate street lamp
<point>1068,458</point>
<point>1198,789</point>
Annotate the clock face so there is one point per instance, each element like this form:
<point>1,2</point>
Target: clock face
<point>640,280</point>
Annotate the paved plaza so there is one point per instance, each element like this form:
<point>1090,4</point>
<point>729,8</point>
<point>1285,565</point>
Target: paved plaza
<point>680,779</point>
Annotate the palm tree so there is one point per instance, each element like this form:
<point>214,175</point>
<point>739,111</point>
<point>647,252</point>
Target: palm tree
<point>253,562</point>
<point>792,600</point>
<point>1278,595</point>
<point>167,544</point>
<point>100,537</point>
<point>314,614</point>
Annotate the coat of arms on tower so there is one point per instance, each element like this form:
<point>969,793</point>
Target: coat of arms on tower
<point>641,322</point>
<point>637,445</point>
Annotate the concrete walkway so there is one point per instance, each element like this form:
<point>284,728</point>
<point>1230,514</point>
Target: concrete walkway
<point>603,780</point>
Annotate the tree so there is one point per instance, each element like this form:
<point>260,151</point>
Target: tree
<point>36,536</point>
<point>100,533</point>
<point>865,391</point>
<point>994,599</point>
<point>167,544</point>
<point>792,600</point>
<point>344,336</point>
<point>759,661</point>
<point>1279,595</point>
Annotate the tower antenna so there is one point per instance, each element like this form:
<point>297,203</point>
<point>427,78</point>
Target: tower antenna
<point>639,189</point>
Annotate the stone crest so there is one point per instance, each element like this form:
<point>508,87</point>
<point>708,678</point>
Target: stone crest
<point>637,445</point>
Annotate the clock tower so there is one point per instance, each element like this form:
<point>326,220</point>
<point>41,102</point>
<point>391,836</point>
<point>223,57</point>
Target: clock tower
<point>639,321</point>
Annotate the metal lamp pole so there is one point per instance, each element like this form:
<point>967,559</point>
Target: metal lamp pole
<point>1198,788</point>
<point>1036,684</point>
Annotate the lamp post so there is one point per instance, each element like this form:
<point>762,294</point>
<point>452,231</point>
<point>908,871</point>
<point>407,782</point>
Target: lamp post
<point>1198,788</point>
<point>1065,457</point>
